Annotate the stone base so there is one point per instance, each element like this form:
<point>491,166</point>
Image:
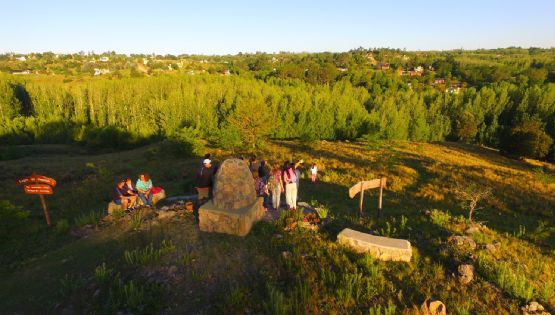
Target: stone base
<point>112,206</point>
<point>382,248</point>
<point>235,222</point>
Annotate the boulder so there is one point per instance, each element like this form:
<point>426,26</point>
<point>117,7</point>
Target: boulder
<point>382,248</point>
<point>112,206</point>
<point>466,273</point>
<point>433,307</point>
<point>164,214</point>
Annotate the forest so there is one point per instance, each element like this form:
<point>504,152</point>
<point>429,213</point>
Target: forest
<point>502,98</point>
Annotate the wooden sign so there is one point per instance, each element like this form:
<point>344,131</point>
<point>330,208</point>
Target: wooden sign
<point>360,187</point>
<point>37,179</point>
<point>38,189</point>
<point>39,185</point>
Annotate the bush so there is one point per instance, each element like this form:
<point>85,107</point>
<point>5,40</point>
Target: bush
<point>528,139</point>
<point>13,218</point>
<point>184,143</point>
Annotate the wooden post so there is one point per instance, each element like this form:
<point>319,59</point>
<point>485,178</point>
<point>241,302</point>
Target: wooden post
<point>381,193</point>
<point>361,197</point>
<point>45,208</point>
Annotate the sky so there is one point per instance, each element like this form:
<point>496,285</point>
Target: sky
<point>230,27</point>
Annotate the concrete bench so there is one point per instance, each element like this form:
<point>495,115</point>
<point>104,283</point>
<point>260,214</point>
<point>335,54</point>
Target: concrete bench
<point>382,248</point>
<point>112,206</point>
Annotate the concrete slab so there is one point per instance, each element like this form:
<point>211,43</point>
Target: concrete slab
<point>382,248</point>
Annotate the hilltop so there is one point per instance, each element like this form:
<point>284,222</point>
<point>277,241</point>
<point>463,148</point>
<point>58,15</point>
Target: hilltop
<point>143,264</point>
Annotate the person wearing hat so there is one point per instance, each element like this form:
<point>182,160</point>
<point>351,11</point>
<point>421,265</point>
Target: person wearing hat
<point>119,195</point>
<point>205,180</point>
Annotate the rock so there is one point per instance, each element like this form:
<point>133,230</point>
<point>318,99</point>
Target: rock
<point>534,308</point>
<point>286,254</point>
<point>172,270</point>
<point>165,208</point>
<point>430,307</point>
<point>162,215</point>
<point>491,248</point>
<point>472,230</point>
<point>466,273</point>
<point>463,242</point>
<point>382,248</point>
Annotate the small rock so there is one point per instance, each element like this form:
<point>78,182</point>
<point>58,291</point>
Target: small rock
<point>472,230</point>
<point>466,273</point>
<point>286,254</point>
<point>172,270</point>
<point>462,241</point>
<point>278,236</point>
<point>165,208</point>
<point>96,293</point>
<point>534,308</point>
<point>430,307</point>
<point>491,248</point>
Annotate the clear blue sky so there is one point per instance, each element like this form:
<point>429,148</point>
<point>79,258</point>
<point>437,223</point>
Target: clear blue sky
<point>222,27</point>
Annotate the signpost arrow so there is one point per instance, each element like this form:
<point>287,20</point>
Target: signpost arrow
<point>361,186</point>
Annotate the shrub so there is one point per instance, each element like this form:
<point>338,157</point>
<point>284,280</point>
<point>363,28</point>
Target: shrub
<point>62,226</point>
<point>149,254</point>
<point>88,218</point>
<point>527,138</point>
<point>13,218</point>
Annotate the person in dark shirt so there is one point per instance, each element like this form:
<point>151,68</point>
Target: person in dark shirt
<point>205,180</point>
<point>119,195</point>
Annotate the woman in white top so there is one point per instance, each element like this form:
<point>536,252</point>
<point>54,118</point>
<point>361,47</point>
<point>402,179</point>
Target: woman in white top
<point>314,170</point>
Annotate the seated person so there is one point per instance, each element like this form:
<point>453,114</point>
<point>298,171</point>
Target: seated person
<point>144,187</point>
<point>120,198</point>
<point>131,191</point>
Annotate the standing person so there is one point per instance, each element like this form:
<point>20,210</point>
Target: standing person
<point>205,180</point>
<point>314,171</point>
<point>144,187</point>
<point>262,171</point>
<point>254,164</point>
<point>120,198</point>
<point>275,185</point>
<point>290,180</point>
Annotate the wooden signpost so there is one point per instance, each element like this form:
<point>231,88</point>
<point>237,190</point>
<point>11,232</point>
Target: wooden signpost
<point>360,187</point>
<point>39,185</point>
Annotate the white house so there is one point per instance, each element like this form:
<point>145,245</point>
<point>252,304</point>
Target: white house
<point>104,59</point>
<point>22,58</point>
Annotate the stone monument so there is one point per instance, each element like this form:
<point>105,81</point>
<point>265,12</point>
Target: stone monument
<point>234,207</point>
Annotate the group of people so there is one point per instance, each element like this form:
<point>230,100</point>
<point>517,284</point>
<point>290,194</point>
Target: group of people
<point>270,182</point>
<point>127,195</point>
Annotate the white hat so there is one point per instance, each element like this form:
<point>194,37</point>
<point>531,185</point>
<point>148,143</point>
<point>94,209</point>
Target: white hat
<point>206,161</point>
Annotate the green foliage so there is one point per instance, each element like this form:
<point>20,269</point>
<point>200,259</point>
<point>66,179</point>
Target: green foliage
<point>13,219</point>
<point>61,227</point>
<point>276,303</point>
<point>506,276</point>
<point>528,138</point>
<point>102,273</point>
<point>90,218</point>
<point>440,218</point>
<point>149,254</point>
<point>388,309</point>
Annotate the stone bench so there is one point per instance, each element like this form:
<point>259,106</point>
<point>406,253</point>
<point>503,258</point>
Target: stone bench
<point>230,221</point>
<point>112,206</point>
<point>382,248</point>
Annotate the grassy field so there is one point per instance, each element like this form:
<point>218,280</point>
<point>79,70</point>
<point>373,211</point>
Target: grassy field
<point>169,266</point>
